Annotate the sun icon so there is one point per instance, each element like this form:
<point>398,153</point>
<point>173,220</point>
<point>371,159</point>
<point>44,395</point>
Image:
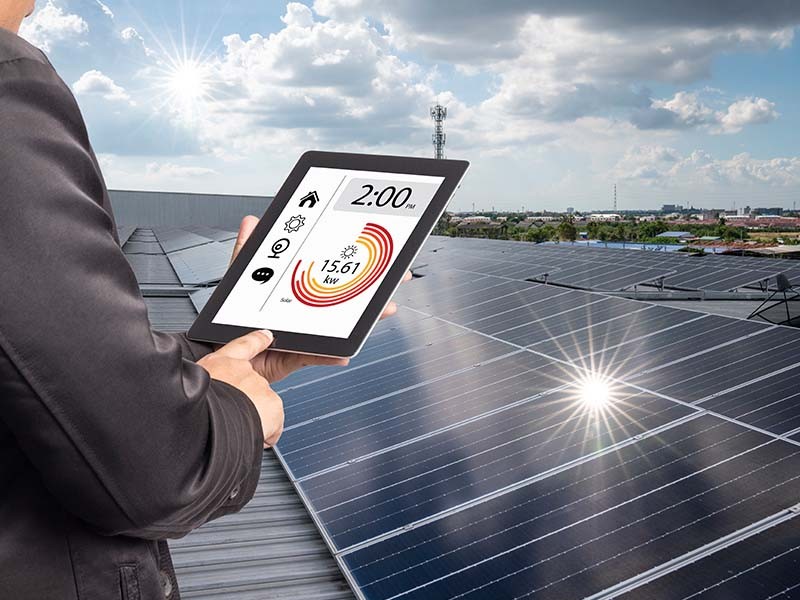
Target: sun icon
<point>349,251</point>
<point>294,224</point>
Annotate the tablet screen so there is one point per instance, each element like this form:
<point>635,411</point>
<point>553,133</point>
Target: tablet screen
<point>326,255</point>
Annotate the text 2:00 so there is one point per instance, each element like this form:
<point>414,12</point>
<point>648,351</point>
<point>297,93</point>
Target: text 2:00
<point>397,198</point>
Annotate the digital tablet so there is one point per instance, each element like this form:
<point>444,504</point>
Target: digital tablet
<point>330,251</point>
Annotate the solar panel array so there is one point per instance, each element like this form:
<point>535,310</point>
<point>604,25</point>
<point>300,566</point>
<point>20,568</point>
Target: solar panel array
<point>604,269</point>
<point>189,256</point>
<point>462,454</point>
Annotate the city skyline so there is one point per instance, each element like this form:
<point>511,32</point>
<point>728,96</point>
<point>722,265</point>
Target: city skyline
<point>553,103</point>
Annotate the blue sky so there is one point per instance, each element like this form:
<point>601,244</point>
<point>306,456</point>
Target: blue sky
<point>553,101</point>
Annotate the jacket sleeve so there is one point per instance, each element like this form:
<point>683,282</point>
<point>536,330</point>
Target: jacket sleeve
<point>191,349</point>
<point>126,433</point>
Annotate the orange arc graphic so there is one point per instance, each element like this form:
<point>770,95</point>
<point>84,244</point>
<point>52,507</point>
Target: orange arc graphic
<point>379,245</point>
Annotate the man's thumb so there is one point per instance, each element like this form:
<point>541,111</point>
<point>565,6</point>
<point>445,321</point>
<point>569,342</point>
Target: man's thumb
<point>248,346</point>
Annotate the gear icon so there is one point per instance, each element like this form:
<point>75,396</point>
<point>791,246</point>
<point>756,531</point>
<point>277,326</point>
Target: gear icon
<point>294,224</point>
<point>349,252</point>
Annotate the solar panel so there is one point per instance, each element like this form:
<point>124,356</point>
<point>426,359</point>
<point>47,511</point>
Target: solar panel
<point>760,566</point>
<point>172,240</point>
<point>772,403</point>
<point>460,457</point>
<point>203,264</point>
<point>598,268</point>
<point>580,531</point>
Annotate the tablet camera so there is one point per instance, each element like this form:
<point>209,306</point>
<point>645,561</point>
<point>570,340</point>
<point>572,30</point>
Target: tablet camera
<point>294,224</point>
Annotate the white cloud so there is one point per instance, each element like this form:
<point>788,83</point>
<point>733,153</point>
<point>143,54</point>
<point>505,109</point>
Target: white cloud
<point>747,112</point>
<point>131,35</point>
<point>666,167</point>
<point>50,25</point>
<point>173,171</point>
<point>106,11</point>
<point>317,83</point>
<point>686,110</point>
<point>95,82</point>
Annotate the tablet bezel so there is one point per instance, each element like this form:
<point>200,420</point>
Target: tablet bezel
<point>452,171</point>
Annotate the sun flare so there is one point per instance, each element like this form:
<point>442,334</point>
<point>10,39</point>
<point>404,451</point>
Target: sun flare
<point>596,393</point>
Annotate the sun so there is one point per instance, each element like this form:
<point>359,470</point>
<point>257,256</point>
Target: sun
<point>188,84</point>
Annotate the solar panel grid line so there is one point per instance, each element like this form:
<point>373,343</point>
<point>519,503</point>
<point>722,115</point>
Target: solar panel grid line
<point>747,383</point>
<point>500,313</point>
<point>370,363</point>
<point>765,571</point>
<point>772,434</point>
<point>454,425</point>
<point>405,389</point>
<point>693,382</point>
<point>436,361</point>
<point>730,284</point>
<point>521,484</point>
<point>431,407</point>
<point>597,300</point>
<point>502,464</point>
<point>590,325</point>
<point>557,359</point>
<point>704,351</point>
<point>629,383</point>
<point>527,314</point>
<point>767,407</point>
<point>632,549</point>
<point>446,289</point>
<point>617,283</point>
<point>709,549</point>
<point>634,339</point>
<point>744,467</point>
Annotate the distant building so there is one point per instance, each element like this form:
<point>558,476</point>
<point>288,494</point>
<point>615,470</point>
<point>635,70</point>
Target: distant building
<point>487,229</point>
<point>476,219</point>
<point>604,217</point>
<point>775,210</point>
<point>677,235</point>
<point>671,208</point>
<point>570,210</point>
<point>709,215</point>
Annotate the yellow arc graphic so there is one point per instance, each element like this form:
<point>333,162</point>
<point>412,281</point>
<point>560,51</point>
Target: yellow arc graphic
<point>371,249</point>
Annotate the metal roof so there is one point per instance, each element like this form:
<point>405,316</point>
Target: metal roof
<point>173,209</point>
<point>271,549</point>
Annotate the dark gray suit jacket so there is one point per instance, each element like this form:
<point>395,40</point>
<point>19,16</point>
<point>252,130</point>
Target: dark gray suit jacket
<point>111,437</point>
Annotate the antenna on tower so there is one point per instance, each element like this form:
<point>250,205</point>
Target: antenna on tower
<point>438,114</point>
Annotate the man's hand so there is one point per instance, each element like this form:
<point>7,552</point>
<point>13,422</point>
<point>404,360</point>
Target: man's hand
<point>274,366</point>
<point>232,363</point>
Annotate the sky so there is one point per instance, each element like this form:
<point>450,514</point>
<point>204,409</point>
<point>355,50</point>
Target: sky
<point>553,102</point>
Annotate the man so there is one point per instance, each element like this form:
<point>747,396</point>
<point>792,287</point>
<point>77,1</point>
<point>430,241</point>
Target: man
<point>113,437</point>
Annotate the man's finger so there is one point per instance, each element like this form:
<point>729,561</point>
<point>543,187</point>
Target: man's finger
<point>390,309</point>
<point>245,231</point>
<point>408,276</point>
<point>248,346</point>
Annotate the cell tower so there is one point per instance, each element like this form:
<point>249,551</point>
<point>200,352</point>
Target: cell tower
<point>615,197</point>
<point>438,114</point>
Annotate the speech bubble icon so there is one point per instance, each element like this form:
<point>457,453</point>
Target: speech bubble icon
<point>264,274</point>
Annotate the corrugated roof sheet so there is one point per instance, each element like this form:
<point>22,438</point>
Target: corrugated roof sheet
<point>271,549</point>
